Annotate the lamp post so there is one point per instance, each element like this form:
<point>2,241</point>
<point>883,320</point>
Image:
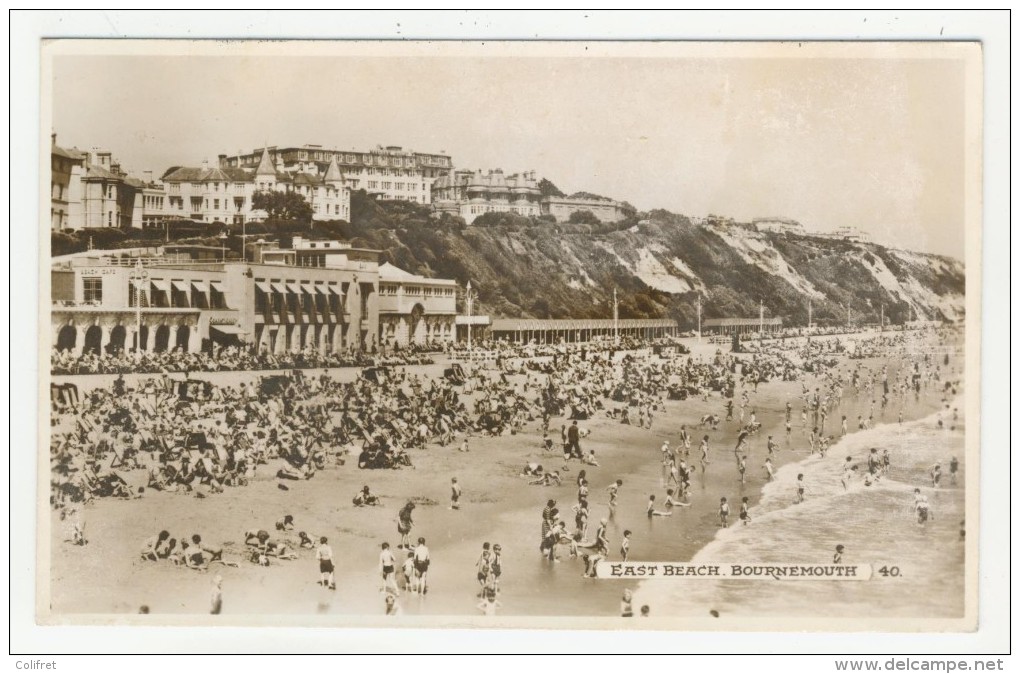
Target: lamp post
<point>616,319</point>
<point>761,324</point>
<point>223,246</point>
<point>699,318</point>
<point>470,300</point>
<point>138,276</point>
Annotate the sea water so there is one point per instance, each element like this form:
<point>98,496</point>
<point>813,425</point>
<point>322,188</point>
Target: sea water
<point>918,568</point>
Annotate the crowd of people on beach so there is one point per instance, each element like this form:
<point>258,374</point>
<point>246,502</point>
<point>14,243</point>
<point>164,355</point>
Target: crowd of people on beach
<point>231,358</point>
<point>199,438</point>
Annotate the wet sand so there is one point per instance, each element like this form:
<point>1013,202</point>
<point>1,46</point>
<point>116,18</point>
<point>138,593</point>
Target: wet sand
<point>106,576</point>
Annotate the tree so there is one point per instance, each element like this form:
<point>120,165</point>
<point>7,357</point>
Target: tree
<point>282,205</point>
<point>584,218</point>
<point>548,189</point>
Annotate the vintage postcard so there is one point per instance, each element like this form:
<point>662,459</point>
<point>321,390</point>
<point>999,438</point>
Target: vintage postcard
<point>614,335</point>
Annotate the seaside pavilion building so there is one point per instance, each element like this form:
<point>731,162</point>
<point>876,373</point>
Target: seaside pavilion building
<point>741,326</point>
<point>321,295</point>
<point>554,331</point>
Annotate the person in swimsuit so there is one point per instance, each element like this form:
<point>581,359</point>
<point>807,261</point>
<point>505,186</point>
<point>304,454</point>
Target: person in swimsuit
<point>848,471</point>
<point>421,566</point>
<point>838,557</point>
<point>745,516</point>
<point>216,600</point>
<point>483,568</point>
<point>404,523</point>
<point>324,554</point>
<point>724,512</point>
<point>652,512</point>
<point>625,545</point>
<point>922,509</point>
<point>151,547</point>
<point>489,605</point>
<point>410,582</point>
<point>496,567</point>
<point>455,492</point>
<point>387,569</point>
<point>627,604</point>
<point>614,492</point>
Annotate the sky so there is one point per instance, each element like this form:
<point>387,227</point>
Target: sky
<point>871,143</point>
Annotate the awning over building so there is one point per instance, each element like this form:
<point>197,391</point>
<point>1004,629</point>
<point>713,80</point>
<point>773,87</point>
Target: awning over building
<point>307,287</point>
<point>336,290</point>
<point>181,286</point>
<point>200,286</point>
<point>163,286</point>
<point>321,289</point>
<point>294,288</point>
<point>263,286</point>
<point>279,288</point>
<point>217,286</point>
<point>228,329</point>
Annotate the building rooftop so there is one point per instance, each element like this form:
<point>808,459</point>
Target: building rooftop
<point>727,322</point>
<point>389,272</point>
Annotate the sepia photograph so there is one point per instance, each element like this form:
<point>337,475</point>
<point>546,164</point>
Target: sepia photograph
<point>546,335</point>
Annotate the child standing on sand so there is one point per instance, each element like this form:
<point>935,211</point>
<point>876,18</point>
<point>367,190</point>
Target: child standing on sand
<point>724,512</point>
<point>742,468</point>
<point>216,600</point>
<point>455,492</point>
<point>324,554</point>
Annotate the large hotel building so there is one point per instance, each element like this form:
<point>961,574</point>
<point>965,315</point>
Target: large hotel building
<point>389,172</point>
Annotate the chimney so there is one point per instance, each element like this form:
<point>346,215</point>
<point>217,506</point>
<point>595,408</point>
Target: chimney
<point>205,164</point>
<point>53,138</point>
<point>147,176</point>
<point>223,160</point>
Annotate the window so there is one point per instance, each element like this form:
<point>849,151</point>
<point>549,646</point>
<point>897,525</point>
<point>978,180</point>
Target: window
<point>92,289</point>
<point>216,204</point>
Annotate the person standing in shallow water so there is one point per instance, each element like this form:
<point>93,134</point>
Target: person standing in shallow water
<point>216,603</point>
<point>405,522</point>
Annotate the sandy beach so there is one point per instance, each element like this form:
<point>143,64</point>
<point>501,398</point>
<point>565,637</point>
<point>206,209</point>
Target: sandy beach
<point>106,576</point>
